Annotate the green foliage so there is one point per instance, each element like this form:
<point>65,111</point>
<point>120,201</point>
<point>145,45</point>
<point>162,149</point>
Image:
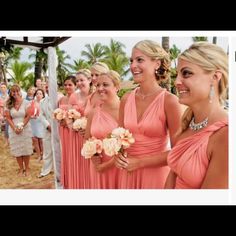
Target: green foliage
<point>21,75</point>
<point>123,91</point>
<point>199,38</point>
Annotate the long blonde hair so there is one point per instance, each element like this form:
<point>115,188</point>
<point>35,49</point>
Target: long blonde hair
<point>153,50</point>
<point>209,57</point>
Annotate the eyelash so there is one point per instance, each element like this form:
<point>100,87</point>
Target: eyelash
<point>186,73</point>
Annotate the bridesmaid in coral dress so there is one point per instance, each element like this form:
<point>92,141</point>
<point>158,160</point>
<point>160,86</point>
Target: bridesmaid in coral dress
<point>200,156</point>
<point>152,115</point>
<point>64,131</point>
<point>94,99</point>
<point>79,177</point>
<point>101,121</point>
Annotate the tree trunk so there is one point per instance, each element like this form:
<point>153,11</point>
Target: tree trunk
<point>166,43</point>
<point>38,68</point>
<point>214,40</point>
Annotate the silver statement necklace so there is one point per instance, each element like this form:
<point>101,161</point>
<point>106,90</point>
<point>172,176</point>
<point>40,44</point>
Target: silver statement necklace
<point>197,126</point>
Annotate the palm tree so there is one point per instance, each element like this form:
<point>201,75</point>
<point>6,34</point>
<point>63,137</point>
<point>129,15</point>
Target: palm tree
<point>119,63</point>
<point>79,64</point>
<point>14,54</point>
<point>20,73</point>
<point>40,63</point>
<point>62,68</point>
<point>8,53</point>
<point>198,39</point>
<point>174,52</point>
<point>93,53</point>
<point>115,57</point>
<point>115,48</point>
<point>166,45</point>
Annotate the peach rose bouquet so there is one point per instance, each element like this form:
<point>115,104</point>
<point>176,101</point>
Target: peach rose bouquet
<point>59,114</point>
<point>118,141</point>
<point>80,124</point>
<point>92,147</point>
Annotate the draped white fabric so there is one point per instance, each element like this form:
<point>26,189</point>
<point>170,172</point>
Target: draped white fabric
<point>52,84</point>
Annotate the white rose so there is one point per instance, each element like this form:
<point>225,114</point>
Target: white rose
<point>111,146</point>
<point>73,114</point>
<point>91,147</point>
<point>80,123</point>
<point>20,125</point>
<point>117,132</point>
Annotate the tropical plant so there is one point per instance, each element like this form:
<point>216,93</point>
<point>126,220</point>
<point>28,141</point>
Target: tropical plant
<point>21,74</point>
<point>79,64</point>
<point>198,39</point>
<point>94,53</point>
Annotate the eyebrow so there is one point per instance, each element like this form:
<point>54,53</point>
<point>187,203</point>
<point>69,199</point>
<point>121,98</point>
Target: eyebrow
<point>184,68</point>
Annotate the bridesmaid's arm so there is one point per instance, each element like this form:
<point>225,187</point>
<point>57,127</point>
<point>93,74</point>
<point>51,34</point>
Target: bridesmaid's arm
<point>133,163</point>
<point>27,116</point>
<point>104,165</point>
<point>121,109</point>
<point>217,172</point>
<point>170,181</point>
<point>173,115</point>
<point>9,119</point>
<point>88,126</point>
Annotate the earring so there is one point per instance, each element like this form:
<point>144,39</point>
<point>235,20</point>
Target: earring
<point>156,71</point>
<point>211,94</point>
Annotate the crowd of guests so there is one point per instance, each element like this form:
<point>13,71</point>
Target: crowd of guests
<point>179,141</point>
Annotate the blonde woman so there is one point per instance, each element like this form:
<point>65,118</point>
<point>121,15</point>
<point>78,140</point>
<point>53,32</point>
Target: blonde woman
<point>200,157</point>
<point>152,115</point>
<point>94,99</point>
<point>101,121</point>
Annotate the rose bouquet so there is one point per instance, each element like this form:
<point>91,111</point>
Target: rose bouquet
<point>59,114</point>
<point>91,147</point>
<point>80,124</point>
<point>118,140</point>
<point>20,126</point>
<point>73,114</point>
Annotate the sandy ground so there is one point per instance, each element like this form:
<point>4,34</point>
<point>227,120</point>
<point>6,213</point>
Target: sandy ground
<point>9,168</point>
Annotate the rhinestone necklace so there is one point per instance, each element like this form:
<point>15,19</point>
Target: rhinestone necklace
<point>197,126</point>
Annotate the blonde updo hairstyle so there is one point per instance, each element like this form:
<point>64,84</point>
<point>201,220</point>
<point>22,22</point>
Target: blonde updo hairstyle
<point>209,57</point>
<point>85,72</point>
<point>114,76</point>
<point>153,50</point>
<point>100,67</point>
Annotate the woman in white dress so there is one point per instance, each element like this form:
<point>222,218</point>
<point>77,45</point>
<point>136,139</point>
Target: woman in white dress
<point>20,135</point>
